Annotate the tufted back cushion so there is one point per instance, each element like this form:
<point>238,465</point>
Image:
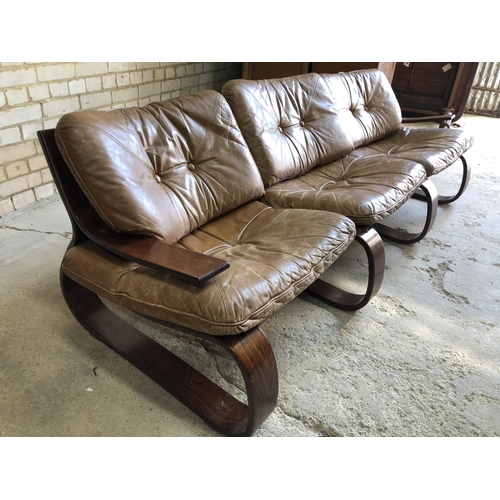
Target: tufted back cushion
<point>296,123</point>
<point>366,104</point>
<point>164,169</point>
<point>290,124</point>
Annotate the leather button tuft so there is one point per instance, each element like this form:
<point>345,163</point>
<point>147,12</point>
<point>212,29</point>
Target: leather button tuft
<point>301,123</point>
<point>157,178</point>
<point>280,129</point>
<point>190,166</point>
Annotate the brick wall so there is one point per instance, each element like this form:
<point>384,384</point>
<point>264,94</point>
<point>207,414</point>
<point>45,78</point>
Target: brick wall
<point>33,96</point>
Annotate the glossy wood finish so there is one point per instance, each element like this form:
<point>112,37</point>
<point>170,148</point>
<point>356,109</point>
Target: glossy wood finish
<point>251,351</point>
<point>431,197</point>
<point>374,248</point>
<point>445,199</point>
<point>182,264</point>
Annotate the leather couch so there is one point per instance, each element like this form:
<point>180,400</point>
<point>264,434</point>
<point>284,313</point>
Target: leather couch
<point>209,213</point>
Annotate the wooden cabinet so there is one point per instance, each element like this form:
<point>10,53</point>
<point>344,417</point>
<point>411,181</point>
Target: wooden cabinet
<point>261,70</point>
<point>429,88</point>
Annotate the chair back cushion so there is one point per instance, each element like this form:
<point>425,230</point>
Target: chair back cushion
<point>296,123</point>
<point>367,105</point>
<point>164,169</point>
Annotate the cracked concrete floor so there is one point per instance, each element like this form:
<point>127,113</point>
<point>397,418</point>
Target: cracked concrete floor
<point>422,359</point>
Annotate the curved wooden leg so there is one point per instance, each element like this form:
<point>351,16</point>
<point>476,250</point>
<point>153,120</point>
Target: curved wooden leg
<point>251,351</point>
<point>443,199</point>
<point>341,299</point>
<point>398,236</point>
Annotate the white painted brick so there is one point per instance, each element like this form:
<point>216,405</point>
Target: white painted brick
<point>171,85</point>
<point>93,83</point>
<point>10,154</point>
<point>119,67</point>
<point>136,77</point>
<point>6,206</point>
<point>10,136</point>
<point>44,191</point>
<point>109,81</point>
<point>123,79</point>
<point>30,129</point>
<point>190,69</point>
<point>55,72</point>
<point>49,123</point>
<point>59,89</point>
<point>125,95</point>
<point>189,81</point>
<point>148,76</point>
<point>149,89</point>
<point>205,78</point>
<point>180,71</point>
<point>17,78</point>
<point>3,100</point>
<point>96,100</point>
<point>198,68</point>
<point>159,74</point>
<point>90,69</point>
<point>77,86</point>
<point>60,106</point>
<point>21,114</point>
<point>14,186</point>
<point>16,96</point>
<point>169,73</point>
<point>17,169</point>
<point>39,92</point>
<point>145,65</point>
<point>3,176</point>
<point>46,176</point>
<point>37,162</point>
<point>23,199</point>
<point>34,179</point>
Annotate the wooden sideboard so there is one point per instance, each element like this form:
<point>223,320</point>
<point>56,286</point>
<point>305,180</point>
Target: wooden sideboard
<point>261,70</point>
<point>431,88</point>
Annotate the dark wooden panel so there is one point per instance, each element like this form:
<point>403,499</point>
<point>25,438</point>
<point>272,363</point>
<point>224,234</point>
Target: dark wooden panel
<point>263,70</point>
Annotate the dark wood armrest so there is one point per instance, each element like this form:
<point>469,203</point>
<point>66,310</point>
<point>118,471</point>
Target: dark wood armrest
<point>185,265</point>
<point>430,118</point>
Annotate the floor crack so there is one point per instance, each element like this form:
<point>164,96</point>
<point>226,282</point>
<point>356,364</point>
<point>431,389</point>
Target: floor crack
<point>66,234</point>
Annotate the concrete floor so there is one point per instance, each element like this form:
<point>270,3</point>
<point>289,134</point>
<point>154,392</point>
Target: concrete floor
<point>422,359</point>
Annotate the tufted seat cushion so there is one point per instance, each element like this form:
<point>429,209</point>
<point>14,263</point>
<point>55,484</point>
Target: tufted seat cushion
<point>435,149</point>
<point>269,266</point>
<point>366,189</point>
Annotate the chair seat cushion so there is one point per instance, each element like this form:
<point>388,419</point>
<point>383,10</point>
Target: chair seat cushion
<point>365,189</point>
<point>273,254</point>
<point>435,149</point>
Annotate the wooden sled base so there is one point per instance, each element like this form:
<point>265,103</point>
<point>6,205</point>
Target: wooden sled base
<point>431,197</point>
<point>341,299</point>
<point>444,200</point>
<point>251,351</point>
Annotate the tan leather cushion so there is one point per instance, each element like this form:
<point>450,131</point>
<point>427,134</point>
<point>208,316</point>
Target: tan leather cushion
<point>366,103</point>
<point>161,170</point>
<point>294,124</point>
<point>434,148</point>
<point>290,124</point>
<point>366,189</point>
<point>273,256</point>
